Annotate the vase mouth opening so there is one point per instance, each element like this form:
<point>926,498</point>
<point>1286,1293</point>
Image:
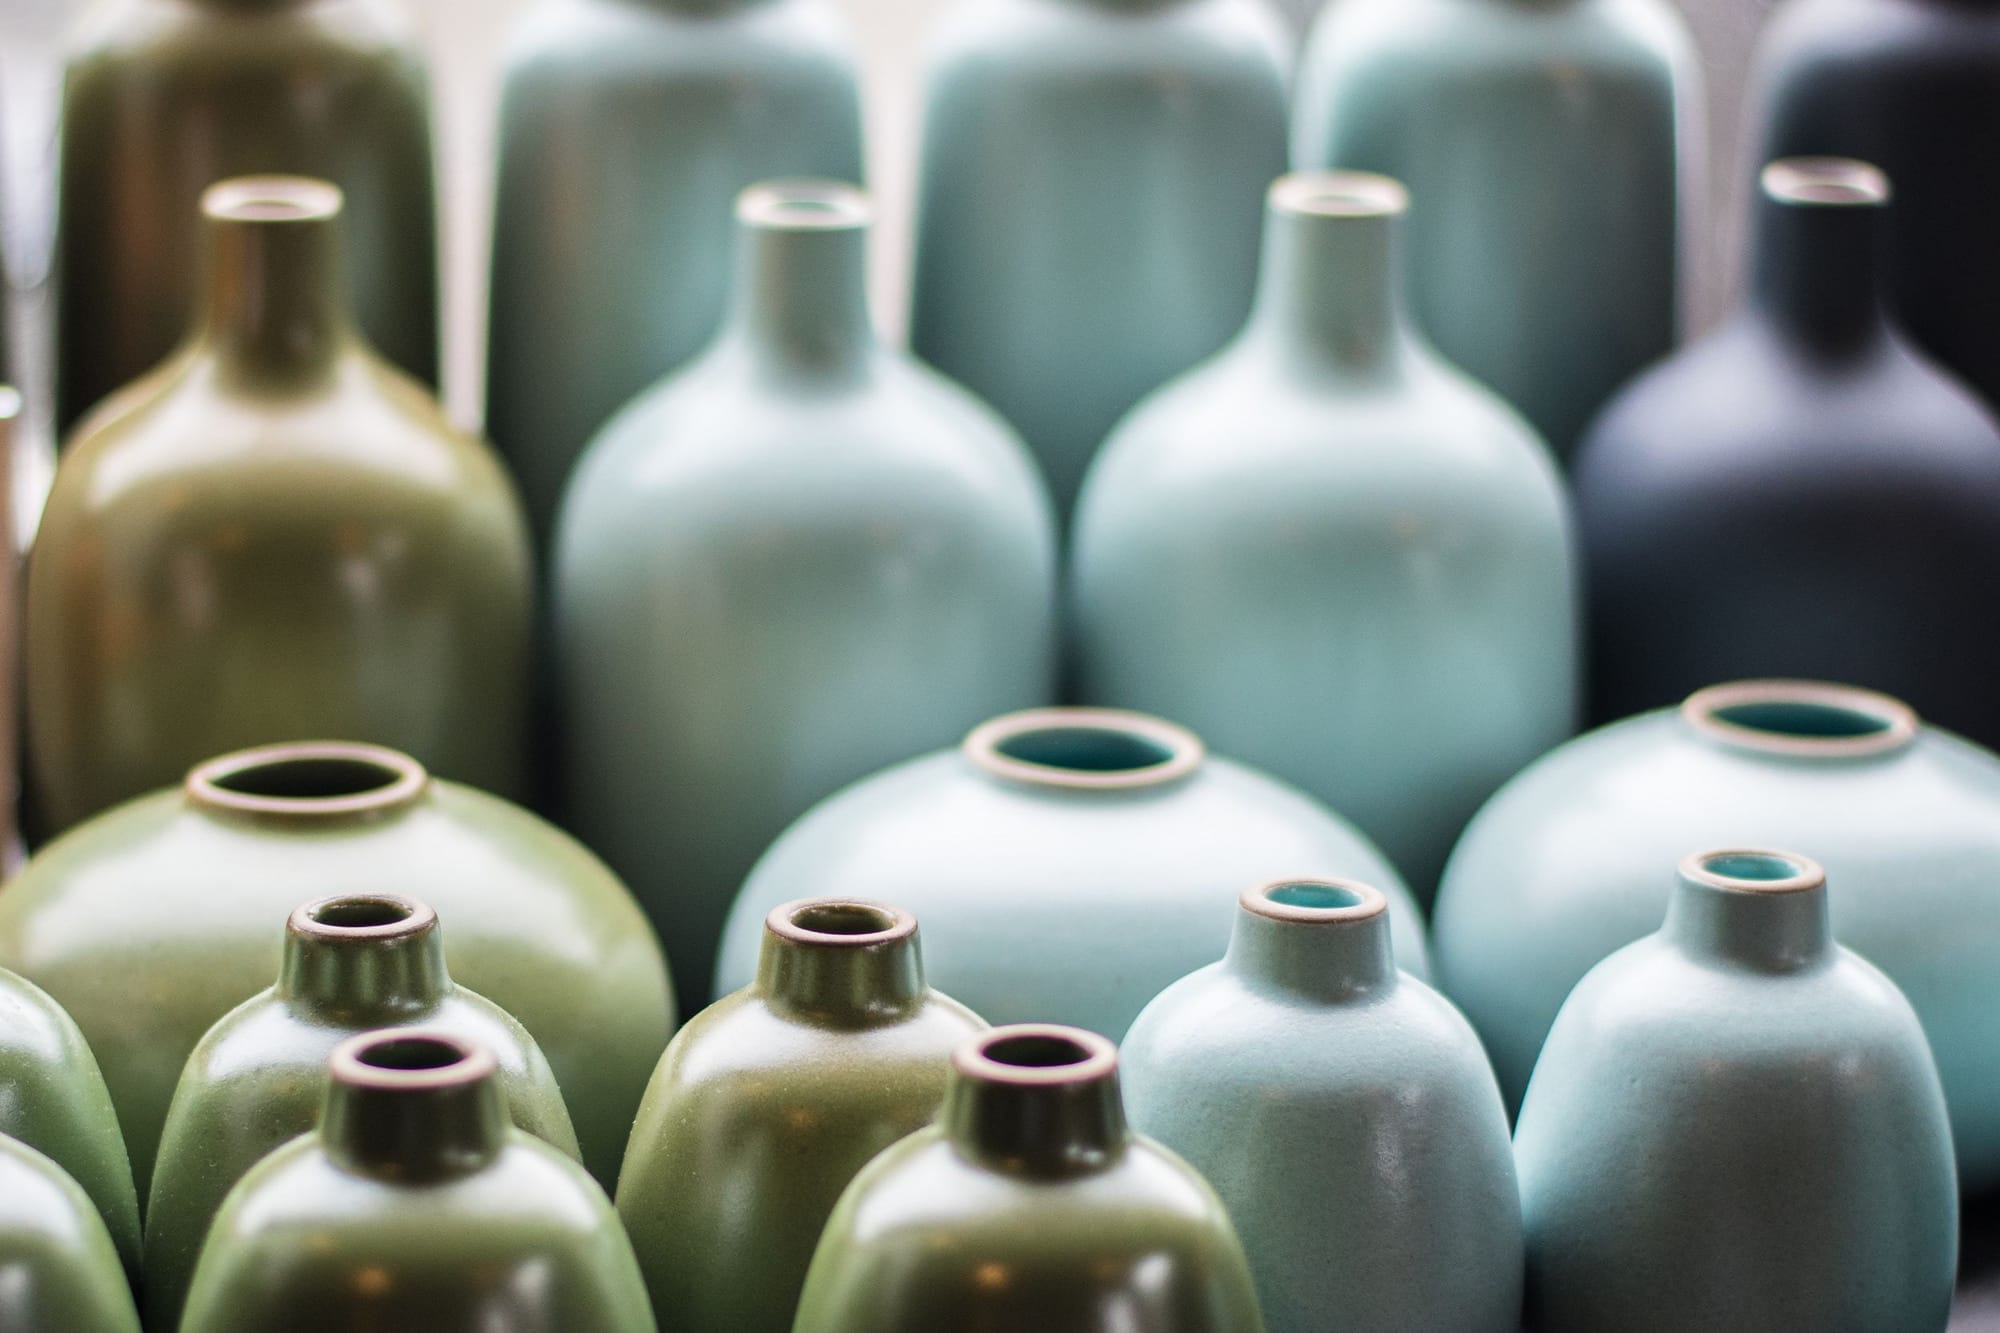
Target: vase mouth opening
<point>805,205</point>
<point>1754,870</point>
<point>410,1060</point>
<point>272,199</point>
<point>840,923</point>
<point>1315,901</point>
<point>1339,194</point>
<point>1040,1055</point>
<point>1091,749</point>
<point>309,780</point>
<point>363,916</point>
<point>1826,182</point>
<point>1802,718</point>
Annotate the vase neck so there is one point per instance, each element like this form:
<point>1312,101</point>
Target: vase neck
<point>1765,911</point>
<point>1323,939</point>
<point>412,1106</point>
<point>841,962</point>
<point>1816,252</point>
<point>800,299</point>
<point>274,310</point>
<point>372,958</point>
<point>1036,1100</point>
<point>1329,292</point>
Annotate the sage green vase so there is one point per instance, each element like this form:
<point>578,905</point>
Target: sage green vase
<point>351,964</point>
<point>59,1270</point>
<point>1029,1205</point>
<point>415,1205</point>
<point>154,920</point>
<point>767,1104</point>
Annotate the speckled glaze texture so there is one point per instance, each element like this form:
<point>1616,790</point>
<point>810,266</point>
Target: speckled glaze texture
<point>1736,1128</point>
<point>1089,817</point>
<point>767,1104</point>
<point>1346,1116</point>
<point>59,1270</point>
<point>1330,553</point>
<point>1029,1205</point>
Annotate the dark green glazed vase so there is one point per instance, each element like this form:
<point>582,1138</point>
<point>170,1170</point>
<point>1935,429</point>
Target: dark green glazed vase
<point>256,1081</point>
<point>154,921</point>
<point>415,1206</point>
<point>58,1268</point>
<point>768,1102</point>
<point>1029,1206</point>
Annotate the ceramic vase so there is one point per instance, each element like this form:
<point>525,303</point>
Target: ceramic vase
<point>162,98</point>
<point>1030,1204</point>
<point>1551,146</point>
<point>59,1266</point>
<point>153,921</point>
<point>1736,1125</point>
<point>415,1205</point>
<point>767,1104</point>
<point>800,559</point>
<point>1332,554</point>
<point>273,537</point>
<point>658,113</point>
<point>350,965</point>
<point>1093,818</point>
<point>1144,135</point>
<point>1346,1116</point>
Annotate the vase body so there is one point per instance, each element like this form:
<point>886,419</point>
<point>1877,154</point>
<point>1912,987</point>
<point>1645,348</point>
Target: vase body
<point>1345,1115</point>
<point>800,559</point>
<point>187,893</point>
<point>1549,147</point>
<point>767,1104</point>
<point>1331,554</point>
<point>60,1268</point>
<point>163,98</point>
<point>1719,496</point>
<point>1736,1125</point>
<point>1146,135</point>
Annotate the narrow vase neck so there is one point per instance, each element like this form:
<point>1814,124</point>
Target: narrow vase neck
<point>1816,253</point>
<point>1329,292</point>
<point>412,1106</point>
<point>1764,911</point>
<point>801,288</point>
<point>1324,940</point>
<point>841,963</point>
<point>274,308</point>
<point>378,960</point>
<point>1036,1100</point>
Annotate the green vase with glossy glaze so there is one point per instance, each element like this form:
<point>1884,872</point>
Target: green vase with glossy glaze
<point>59,1270</point>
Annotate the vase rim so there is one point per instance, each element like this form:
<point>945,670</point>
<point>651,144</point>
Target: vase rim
<point>272,199</point>
<point>1313,901</point>
<point>1045,1055</point>
<point>1139,750</point>
<point>395,917</point>
<point>1754,870</point>
<point>215,784</point>
<point>1826,182</point>
<point>1826,721</point>
<point>817,922</point>
<point>1339,194</point>
<point>438,1059</point>
<point>805,204</point>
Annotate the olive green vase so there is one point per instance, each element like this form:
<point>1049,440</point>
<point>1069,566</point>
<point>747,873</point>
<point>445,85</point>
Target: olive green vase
<point>351,965</point>
<point>58,1268</point>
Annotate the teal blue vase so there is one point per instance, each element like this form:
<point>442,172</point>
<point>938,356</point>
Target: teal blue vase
<point>59,1270</point>
<point>1332,554</point>
<point>1736,1127</point>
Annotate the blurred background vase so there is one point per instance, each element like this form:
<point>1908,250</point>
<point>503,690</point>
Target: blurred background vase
<point>62,1269</point>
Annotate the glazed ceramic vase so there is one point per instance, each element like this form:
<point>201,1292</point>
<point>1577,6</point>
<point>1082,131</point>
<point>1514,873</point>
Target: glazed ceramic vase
<point>1551,146</point>
<point>1346,1116</point>
<point>153,921</point>
<point>1029,1205</point>
<point>1330,553</point>
<point>1736,1127</point>
<point>1088,202</point>
<point>658,113</point>
<point>273,537</point>
<point>1067,863</point>
<point>800,559</point>
<point>59,1270</point>
<point>1720,496</point>
<point>352,964</point>
<point>767,1104</point>
<point>165,97</point>
<point>415,1205</point>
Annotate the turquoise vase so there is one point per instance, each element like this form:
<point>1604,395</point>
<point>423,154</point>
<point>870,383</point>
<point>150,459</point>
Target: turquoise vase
<point>1332,554</point>
<point>1550,145</point>
<point>1345,1114</point>
<point>801,558</point>
<point>1736,1127</point>
<point>59,1270</point>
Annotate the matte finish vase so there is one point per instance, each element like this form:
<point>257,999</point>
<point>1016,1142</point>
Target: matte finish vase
<point>351,965</point>
<point>658,113</point>
<point>800,559</point>
<point>1088,202</point>
<point>274,537</point>
<point>767,1104</point>
<point>1330,553</point>
<point>153,921</point>
<point>1346,1116</point>
<point>1551,146</point>
<point>415,1205</point>
<point>58,1267</point>
<point>1800,493</point>
<point>165,97</point>
<point>1736,1128</point>
<point>1030,1204</point>
<point>1116,825</point>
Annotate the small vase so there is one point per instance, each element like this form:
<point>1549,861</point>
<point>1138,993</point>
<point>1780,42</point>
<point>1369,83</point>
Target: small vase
<point>767,1104</point>
<point>62,1273</point>
<point>1332,554</point>
<point>414,1205</point>
<point>1345,1114</point>
<point>256,1080</point>
<point>1736,1126</point>
<point>1067,863</point>
<point>1029,1205</point>
<point>273,537</point>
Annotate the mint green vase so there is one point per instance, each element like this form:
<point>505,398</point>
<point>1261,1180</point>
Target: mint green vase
<point>59,1270</point>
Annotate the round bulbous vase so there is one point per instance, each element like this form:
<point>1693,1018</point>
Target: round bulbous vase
<point>256,1080</point>
<point>1031,1173</point>
<point>151,922</point>
<point>1331,554</point>
<point>800,559</point>
<point>414,1204</point>
<point>1736,1126</point>
<point>61,1267</point>
<point>767,1103</point>
<point>1346,1116</point>
<point>1067,863</point>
